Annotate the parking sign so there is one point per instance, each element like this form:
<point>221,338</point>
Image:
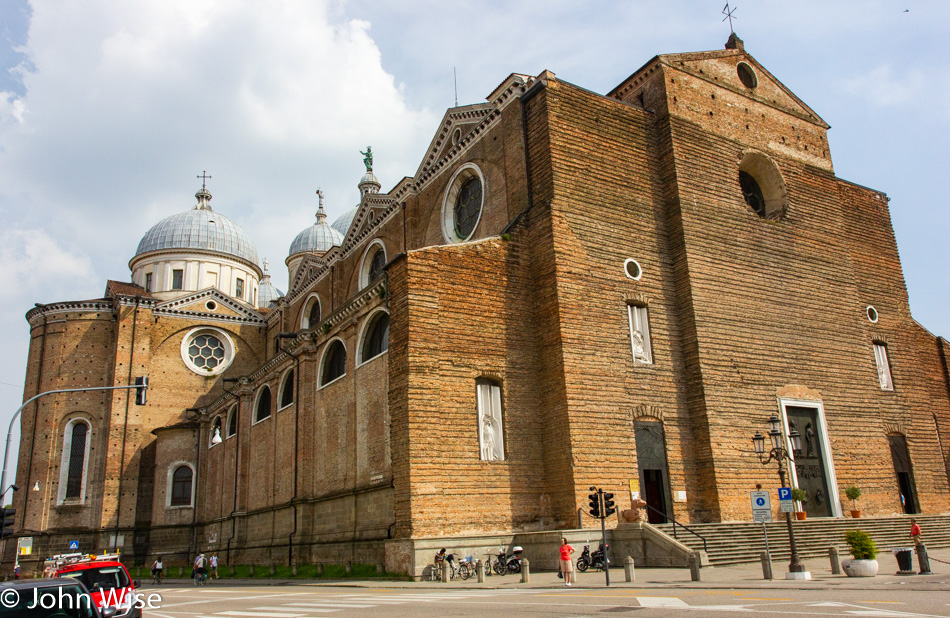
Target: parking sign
<point>784,493</point>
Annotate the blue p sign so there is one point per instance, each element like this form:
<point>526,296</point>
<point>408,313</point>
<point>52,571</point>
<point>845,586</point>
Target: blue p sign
<point>784,493</point>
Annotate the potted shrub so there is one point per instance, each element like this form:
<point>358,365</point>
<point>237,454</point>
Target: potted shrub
<point>863,552</point>
<point>853,493</point>
<point>801,496</point>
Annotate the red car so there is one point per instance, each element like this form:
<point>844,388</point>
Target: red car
<point>106,579</point>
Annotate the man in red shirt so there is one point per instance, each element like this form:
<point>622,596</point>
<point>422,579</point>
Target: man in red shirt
<point>567,566</point>
<point>915,531</point>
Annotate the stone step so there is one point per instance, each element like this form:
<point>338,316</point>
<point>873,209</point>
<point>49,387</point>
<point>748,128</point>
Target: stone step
<point>738,542</point>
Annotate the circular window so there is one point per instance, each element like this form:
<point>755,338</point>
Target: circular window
<point>632,269</point>
<point>872,314</point>
<point>211,305</point>
<point>207,351</point>
<point>462,206</point>
<point>747,75</point>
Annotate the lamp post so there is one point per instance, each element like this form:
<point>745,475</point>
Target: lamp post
<point>779,454</point>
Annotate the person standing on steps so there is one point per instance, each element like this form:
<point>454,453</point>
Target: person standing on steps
<point>567,565</point>
<point>915,531</point>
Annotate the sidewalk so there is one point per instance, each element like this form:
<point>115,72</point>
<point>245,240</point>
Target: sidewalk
<point>742,576</point>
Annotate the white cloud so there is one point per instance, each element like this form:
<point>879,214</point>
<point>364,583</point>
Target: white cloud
<point>33,260</point>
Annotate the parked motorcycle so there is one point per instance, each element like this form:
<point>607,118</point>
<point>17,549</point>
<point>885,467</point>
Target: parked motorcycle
<point>595,560</point>
<point>505,563</point>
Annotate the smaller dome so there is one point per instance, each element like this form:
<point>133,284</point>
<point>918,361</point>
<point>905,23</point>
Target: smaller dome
<point>267,294</point>
<point>342,224</point>
<point>319,237</point>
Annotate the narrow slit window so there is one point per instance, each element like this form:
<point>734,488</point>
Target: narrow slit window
<point>77,461</point>
<point>640,334</point>
<point>491,434</point>
<point>883,367</point>
<point>239,289</point>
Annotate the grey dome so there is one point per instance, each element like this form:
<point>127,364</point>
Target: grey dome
<point>318,238</point>
<point>199,228</point>
<point>342,224</point>
<point>267,294</point>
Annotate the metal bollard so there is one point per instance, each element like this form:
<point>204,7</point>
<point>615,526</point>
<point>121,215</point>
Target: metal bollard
<point>628,571</point>
<point>835,560</point>
<point>694,566</point>
<point>525,571</point>
<point>766,565</point>
<point>480,571</point>
<point>445,571</point>
<point>923,560</point>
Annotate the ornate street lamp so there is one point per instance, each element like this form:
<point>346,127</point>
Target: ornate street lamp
<point>779,454</point>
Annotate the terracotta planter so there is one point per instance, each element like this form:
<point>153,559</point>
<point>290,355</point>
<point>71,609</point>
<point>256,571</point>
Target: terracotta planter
<point>860,568</point>
<point>800,515</point>
<point>856,514</point>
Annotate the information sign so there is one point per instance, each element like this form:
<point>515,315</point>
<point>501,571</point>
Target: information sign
<point>761,516</point>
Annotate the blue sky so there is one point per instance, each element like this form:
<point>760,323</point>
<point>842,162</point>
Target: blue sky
<point>109,109</point>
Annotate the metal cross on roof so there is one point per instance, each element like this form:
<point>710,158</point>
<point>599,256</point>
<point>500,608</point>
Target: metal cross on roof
<point>729,15</point>
<point>204,177</point>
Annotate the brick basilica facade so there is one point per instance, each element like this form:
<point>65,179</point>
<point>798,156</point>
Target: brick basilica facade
<point>573,289</point>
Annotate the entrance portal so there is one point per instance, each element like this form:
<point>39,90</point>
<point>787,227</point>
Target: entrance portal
<point>905,473</point>
<point>810,461</point>
<point>654,476</point>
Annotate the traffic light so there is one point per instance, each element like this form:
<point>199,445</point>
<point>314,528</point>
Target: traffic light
<point>594,504</point>
<point>6,521</point>
<point>141,386</point>
<point>609,506</point>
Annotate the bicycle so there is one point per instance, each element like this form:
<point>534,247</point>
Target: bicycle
<point>157,577</point>
<point>467,567</point>
<point>492,563</point>
<point>200,578</point>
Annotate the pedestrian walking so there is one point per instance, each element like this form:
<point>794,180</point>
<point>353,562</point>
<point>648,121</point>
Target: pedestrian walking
<point>567,564</point>
<point>214,565</point>
<point>16,572</point>
<point>915,531</point>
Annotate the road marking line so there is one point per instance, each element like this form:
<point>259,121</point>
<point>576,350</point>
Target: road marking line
<point>331,604</point>
<point>661,602</point>
<point>270,612</point>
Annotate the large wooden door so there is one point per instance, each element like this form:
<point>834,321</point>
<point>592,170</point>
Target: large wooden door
<point>810,464</point>
<point>654,475</point>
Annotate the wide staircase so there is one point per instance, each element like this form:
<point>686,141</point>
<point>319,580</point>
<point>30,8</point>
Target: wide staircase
<point>738,542</point>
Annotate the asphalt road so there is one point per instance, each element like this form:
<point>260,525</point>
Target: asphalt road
<point>311,601</point>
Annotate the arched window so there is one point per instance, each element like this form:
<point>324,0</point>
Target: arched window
<point>375,337</point>
<point>232,421</point>
<point>373,262</point>
<point>287,390</point>
<point>75,459</point>
<point>215,431</point>
<point>762,186</point>
<point>262,409</point>
<point>310,316</point>
<point>181,486</point>
<point>334,363</point>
